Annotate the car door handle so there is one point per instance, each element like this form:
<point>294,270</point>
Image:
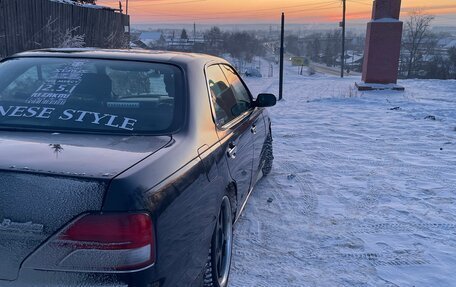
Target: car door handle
<point>253,130</point>
<point>232,150</point>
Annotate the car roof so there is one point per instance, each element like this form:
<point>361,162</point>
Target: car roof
<point>178,58</point>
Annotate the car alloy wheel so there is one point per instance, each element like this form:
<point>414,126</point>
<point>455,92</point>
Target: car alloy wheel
<point>219,263</point>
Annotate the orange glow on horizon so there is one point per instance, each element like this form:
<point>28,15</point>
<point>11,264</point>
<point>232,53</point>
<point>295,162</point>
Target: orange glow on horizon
<point>264,11</point>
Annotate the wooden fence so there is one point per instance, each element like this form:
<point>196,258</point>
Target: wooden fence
<point>35,24</point>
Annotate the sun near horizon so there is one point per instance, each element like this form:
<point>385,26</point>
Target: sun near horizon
<point>266,11</point>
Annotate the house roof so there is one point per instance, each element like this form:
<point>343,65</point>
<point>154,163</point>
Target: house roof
<point>451,44</point>
<point>150,36</point>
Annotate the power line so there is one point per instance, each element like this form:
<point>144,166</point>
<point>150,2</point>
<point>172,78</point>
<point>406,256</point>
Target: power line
<point>170,3</point>
<point>315,6</point>
<point>239,15</point>
<point>362,3</point>
<point>238,11</point>
<point>138,10</point>
<point>236,14</point>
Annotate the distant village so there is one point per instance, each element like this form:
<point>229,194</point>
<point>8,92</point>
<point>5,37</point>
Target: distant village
<point>433,57</point>
<point>167,40</point>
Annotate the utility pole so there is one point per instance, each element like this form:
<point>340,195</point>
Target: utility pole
<point>194,33</point>
<point>129,25</point>
<point>343,24</point>
<point>282,52</point>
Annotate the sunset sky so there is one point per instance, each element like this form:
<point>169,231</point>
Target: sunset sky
<point>267,11</point>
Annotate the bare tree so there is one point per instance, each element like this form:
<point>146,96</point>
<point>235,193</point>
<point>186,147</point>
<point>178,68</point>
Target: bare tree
<point>213,40</point>
<point>116,40</point>
<point>184,34</point>
<point>416,36</point>
<point>68,38</point>
<point>71,40</point>
<point>331,52</point>
<point>244,46</point>
<point>314,47</point>
<point>293,45</point>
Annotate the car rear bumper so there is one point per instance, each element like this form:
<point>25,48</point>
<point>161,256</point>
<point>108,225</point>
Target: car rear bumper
<point>38,278</point>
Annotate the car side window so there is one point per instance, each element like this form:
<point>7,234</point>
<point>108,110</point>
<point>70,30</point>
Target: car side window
<point>242,95</point>
<point>222,96</point>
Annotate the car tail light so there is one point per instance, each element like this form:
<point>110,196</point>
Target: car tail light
<point>99,243</point>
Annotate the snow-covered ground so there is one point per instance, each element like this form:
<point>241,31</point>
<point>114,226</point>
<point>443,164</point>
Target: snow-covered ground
<point>363,189</point>
<point>93,6</point>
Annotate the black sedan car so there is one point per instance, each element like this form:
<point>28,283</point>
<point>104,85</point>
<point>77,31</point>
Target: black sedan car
<point>125,168</point>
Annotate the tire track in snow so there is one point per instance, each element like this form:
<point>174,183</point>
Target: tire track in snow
<point>372,197</point>
<point>403,228</point>
<point>307,201</point>
<point>394,258</point>
<point>247,228</point>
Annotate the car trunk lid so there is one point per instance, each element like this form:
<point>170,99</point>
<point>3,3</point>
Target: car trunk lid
<point>33,207</point>
<point>48,180</point>
<point>81,155</point>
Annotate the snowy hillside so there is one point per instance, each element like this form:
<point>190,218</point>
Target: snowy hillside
<point>363,190</point>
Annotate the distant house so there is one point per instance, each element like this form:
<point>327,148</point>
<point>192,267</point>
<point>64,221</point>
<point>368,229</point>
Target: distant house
<point>353,60</point>
<point>151,38</point>
<point>198,40</point>
<point>450,45</point>
<point>138,44</point>
<point>446,43</point>
<point>353,57</point>
<point>166,40</point>
<point>184,44</point>
<point>180,44</point>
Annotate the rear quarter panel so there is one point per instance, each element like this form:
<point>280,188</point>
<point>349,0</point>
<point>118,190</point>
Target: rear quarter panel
<point>181,185</point>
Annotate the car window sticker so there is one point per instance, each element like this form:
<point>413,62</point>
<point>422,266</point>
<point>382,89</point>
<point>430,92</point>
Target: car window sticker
<point>69,115</point>
<point>61,84</point>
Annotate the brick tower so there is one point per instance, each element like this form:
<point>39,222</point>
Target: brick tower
<point>383,46</point>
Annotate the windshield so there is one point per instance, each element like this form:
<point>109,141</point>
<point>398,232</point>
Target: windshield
<point>76,94</point>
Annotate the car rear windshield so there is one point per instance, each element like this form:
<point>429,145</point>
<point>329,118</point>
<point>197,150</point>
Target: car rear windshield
<point>90,95</point>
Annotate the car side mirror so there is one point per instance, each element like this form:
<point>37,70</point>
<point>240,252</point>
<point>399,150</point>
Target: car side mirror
<point>265,100</point>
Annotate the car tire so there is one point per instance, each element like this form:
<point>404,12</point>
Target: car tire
<point>219,260</point>
<point>268,156</point>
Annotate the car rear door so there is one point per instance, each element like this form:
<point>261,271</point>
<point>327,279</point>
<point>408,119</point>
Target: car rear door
<point>233,113</point>
<point>258,128</point>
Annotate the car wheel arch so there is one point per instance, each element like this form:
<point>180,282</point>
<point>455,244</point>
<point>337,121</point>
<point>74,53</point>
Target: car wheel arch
<point>231,192</point>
